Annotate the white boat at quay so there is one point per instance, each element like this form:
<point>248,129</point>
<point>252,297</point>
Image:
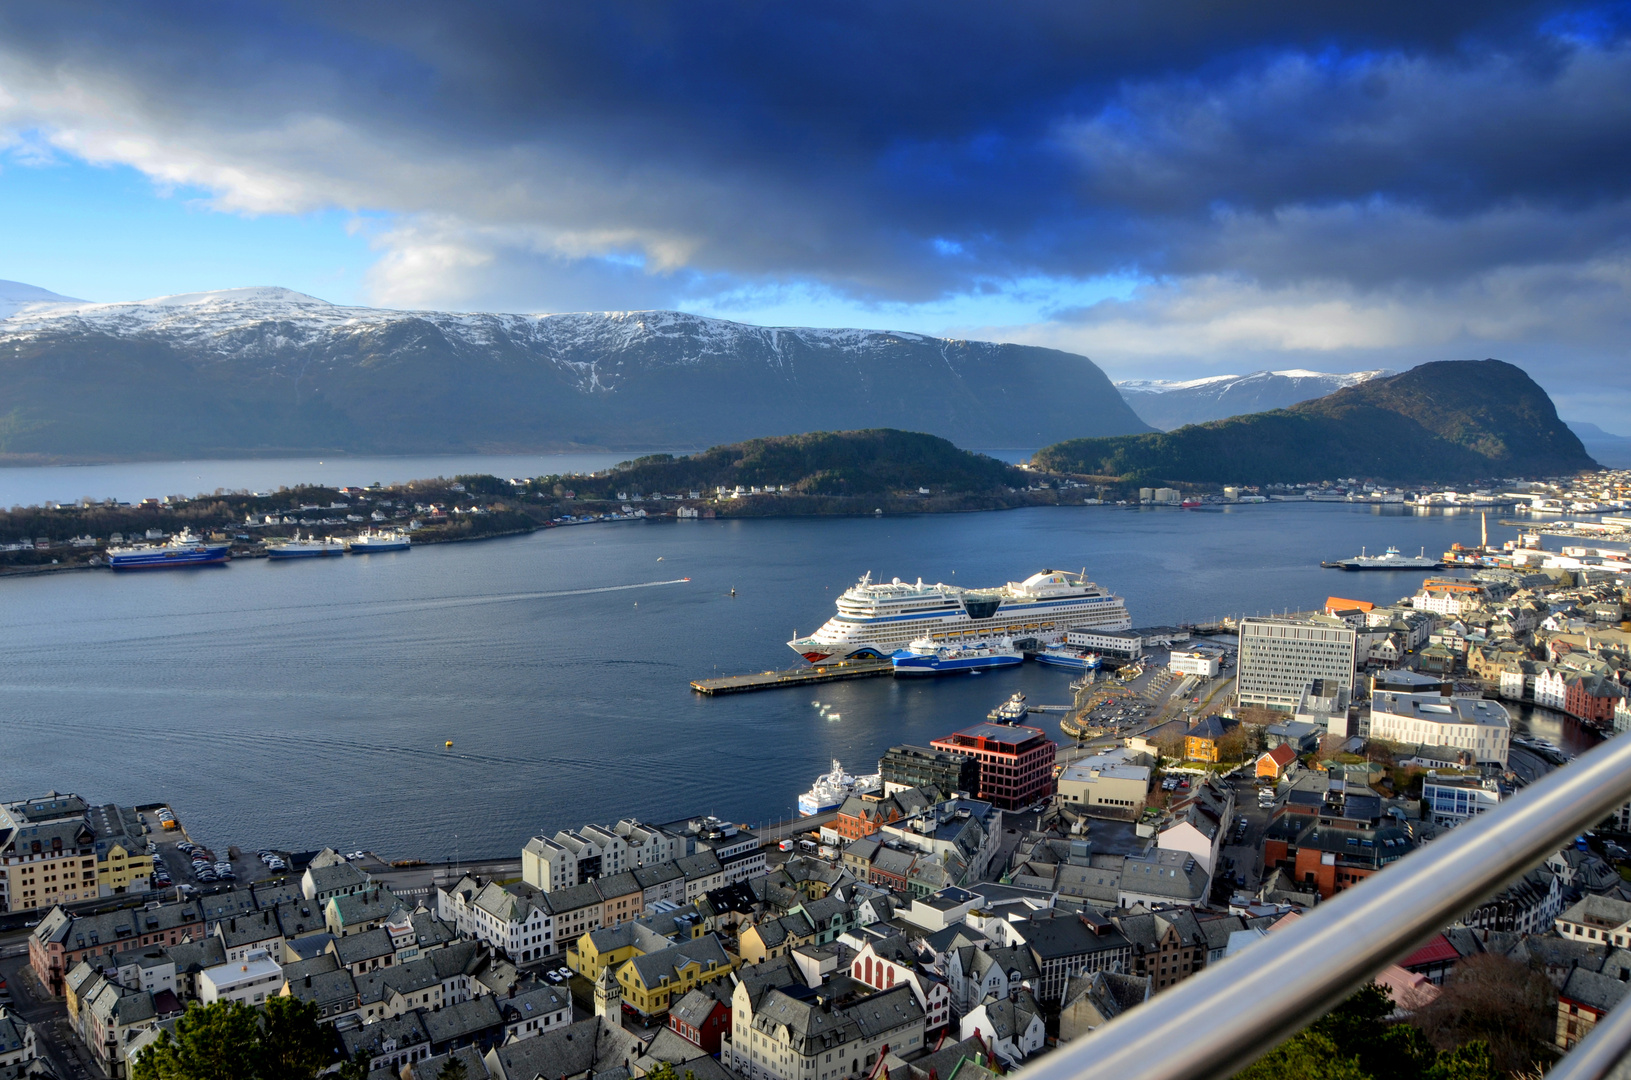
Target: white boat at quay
<point>832,788</point>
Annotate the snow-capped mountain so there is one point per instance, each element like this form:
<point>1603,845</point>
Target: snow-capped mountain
<point>273,369</point>
<point>16,296</point>
<point>1171,404</point>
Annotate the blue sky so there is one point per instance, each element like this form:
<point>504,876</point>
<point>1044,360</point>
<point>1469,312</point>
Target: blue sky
<point>1173,191</point>
<point>106,233</point>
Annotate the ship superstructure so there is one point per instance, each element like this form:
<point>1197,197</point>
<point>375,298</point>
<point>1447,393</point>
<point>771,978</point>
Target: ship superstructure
<point>876,619</point>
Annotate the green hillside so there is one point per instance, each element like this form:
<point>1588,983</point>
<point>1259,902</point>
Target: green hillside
<point>1448,421</point>
<point>871,462</point>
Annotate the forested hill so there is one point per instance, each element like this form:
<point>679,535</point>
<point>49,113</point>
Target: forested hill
<point>1449,421</point>
<point>874,461</point>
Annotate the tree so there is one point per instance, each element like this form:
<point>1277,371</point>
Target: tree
<point>211,1042</point>
<point>293,1045</point>
<point>1510,1007</point>
<point>228,1040</point>
<point>453,1069</point>
<point>1470,1062</point>
<point>1307,1056</point>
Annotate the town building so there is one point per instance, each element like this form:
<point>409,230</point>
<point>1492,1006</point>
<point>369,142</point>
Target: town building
<point>1453,798</point>
<point>1279,657</point>
<point>47,853</point>
<point>787,1037</point>
<point>1479,728</point>
<point>249,981</point>
<point>1016,762</point>
<point>1107,783</point>
<point>921,766</point>
<point>1110,644</point>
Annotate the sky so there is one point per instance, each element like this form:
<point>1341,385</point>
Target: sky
<point>1172,189</point>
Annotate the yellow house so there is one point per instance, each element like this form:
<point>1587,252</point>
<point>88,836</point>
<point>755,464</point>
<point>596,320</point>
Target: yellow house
<point>650,983</point>
<point>613,946</point>
<point>121,862</point>
<point>610,946</point>
<point>774,937</point>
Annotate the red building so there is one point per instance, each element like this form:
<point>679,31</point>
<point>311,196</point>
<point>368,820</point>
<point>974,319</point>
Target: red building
<point>1591,697</point>
<point>700,1019</point>
<point>1016,763</point>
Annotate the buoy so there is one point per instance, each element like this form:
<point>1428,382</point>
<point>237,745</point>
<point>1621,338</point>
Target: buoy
<point>448,745</point>
<point>659,558</point>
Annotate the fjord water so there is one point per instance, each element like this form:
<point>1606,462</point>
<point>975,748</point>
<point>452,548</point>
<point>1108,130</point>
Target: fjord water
<point>308,703</point>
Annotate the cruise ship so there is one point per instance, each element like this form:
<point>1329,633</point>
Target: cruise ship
<point>831,789</point>
<point>877,619</point>
<point>185,549</point>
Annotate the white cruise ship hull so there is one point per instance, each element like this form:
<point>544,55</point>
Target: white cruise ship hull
<point>877,620</point>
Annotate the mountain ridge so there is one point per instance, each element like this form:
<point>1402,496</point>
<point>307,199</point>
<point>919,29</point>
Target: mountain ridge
<point>1451,420</point>
<point>1168,404</point>
<point>267,369</point>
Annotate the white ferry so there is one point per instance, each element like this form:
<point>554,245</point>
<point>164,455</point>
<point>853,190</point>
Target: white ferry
<point>876,619</point>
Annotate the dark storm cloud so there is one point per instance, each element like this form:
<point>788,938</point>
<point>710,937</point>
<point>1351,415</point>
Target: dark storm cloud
<point>839,143</point>
<point>1368,183</point>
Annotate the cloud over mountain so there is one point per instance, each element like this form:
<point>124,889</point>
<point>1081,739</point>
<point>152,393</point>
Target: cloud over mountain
<point>1334,186</point>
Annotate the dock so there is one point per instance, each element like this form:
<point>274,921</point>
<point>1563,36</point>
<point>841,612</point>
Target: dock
<point>804,676</point>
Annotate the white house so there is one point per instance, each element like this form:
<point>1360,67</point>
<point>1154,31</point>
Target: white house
<point>250,981</point>
<point>1012,1025</point>
<point>883,965</point>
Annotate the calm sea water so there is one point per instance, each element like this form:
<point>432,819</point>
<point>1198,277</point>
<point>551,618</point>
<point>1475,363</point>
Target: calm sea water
<point>309,703</point>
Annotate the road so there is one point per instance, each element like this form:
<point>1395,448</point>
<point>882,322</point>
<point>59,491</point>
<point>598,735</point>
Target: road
<point>56,1041</point>
<point>1248,854</point>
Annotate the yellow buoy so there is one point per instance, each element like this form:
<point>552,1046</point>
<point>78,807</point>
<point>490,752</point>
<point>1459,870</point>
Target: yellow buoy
<point>448,744</point>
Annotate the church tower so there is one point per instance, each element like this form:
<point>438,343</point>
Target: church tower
<point>609,996</point>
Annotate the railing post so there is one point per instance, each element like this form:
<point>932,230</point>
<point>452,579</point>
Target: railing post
<point>1218,1021</point>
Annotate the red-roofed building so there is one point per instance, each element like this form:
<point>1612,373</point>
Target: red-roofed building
<point>1433,960</point>
<point>1273,765</point>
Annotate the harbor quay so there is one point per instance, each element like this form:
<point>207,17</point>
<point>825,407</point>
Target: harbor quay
<point>971,903</point>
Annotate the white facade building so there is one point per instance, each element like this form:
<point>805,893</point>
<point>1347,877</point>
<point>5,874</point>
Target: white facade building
<point>1279,657</point>
<point>1194,662</point>
<point>1481,728</point>
<point>250,981</point>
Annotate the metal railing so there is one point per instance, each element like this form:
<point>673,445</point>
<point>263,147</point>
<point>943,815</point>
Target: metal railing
<point>1220,1020</point>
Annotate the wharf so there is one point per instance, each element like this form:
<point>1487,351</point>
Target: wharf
<point>771,680</point>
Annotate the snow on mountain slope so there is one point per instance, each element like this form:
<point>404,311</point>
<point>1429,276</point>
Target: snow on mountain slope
<point>15,296</point>
<point>269,367</point>
<point>1169,404</point>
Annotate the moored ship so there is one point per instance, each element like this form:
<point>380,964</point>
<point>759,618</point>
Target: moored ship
<point>1068,656</point>
<point>383,540</point>
<point>928,657</point>
<point>832,788</point>
<point>1390,560</point>
<point>877,619</point>
<point>184,549</point>
<point>309,548</point>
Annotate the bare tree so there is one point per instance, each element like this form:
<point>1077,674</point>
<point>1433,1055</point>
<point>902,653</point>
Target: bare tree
<point>1510,1006</point>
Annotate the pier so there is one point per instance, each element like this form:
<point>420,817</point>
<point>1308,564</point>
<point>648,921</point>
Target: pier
<point>805,676</point>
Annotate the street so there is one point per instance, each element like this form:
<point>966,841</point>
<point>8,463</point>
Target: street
<point>57,1043</point>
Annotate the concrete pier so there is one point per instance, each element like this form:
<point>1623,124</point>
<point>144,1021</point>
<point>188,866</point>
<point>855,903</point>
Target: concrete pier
<point>771,680</point>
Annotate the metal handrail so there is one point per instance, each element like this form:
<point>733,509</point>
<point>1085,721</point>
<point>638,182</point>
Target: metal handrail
<point>1220,1020</point>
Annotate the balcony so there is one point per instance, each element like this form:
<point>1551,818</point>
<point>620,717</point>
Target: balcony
<point>1216,1023</point>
